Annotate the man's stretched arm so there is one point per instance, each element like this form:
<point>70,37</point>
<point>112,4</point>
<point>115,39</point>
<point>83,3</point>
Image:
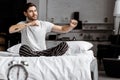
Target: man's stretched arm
<point>65,28</point>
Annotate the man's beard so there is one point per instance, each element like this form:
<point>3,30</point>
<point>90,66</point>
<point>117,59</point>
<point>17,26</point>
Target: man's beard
<point>32,18</point>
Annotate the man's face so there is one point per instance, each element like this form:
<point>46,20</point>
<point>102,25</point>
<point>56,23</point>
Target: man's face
<point>31,13</point>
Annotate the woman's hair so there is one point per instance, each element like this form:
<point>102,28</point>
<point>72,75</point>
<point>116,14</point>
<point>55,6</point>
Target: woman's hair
<point>27,6</point>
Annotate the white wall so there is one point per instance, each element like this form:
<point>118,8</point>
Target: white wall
<point>42,9</point>
<point>90,10</point>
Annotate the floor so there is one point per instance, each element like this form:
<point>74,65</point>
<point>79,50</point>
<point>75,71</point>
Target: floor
<point>103,76</point>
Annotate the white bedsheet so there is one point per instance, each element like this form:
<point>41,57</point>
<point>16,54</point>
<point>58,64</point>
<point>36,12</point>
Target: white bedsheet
<point>53,68</point>
<point>8,54</point>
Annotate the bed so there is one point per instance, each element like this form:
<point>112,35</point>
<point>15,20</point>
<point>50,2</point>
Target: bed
<point>78,63</point>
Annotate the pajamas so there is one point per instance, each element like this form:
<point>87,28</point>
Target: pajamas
<point>55,51</point>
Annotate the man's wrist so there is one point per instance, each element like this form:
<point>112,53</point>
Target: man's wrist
<point>27,24</point>
<point>71,27</point>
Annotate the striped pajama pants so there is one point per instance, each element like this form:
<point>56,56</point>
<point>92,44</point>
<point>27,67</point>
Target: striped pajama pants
<point>55,51</point>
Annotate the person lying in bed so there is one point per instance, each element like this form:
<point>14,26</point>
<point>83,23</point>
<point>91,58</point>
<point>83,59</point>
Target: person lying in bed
<point>33,32</point>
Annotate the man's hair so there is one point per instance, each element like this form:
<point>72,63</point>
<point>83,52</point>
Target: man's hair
<point>27,6</point>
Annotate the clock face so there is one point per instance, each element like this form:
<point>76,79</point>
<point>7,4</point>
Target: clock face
<point>17,72</point>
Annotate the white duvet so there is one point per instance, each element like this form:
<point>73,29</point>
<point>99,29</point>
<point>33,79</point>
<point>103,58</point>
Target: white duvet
<point>53,68</point>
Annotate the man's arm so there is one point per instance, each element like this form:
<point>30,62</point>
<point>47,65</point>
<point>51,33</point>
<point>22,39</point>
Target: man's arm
<point>19,27</point>
<point>65,28</point>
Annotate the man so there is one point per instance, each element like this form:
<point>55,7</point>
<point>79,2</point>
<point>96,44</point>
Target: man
<point>33,34</point>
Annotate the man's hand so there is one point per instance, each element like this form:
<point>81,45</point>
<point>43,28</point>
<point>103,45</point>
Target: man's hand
<point>34,23</point>
<point>73,23</point>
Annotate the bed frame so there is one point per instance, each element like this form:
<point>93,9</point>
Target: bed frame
<point>94,69</point>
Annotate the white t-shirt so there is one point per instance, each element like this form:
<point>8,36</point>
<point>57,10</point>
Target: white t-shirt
<point>34,36</point>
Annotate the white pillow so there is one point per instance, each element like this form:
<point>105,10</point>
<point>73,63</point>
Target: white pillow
<point>74,47</point>
<point>14,49</point>
<point>79,46</point>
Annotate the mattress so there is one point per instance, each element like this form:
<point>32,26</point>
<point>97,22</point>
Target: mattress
<point>55,68</point>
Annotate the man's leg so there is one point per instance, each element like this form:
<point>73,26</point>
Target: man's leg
<point>58,50</point>
<point>26,51</point>
<point>55,51</point>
